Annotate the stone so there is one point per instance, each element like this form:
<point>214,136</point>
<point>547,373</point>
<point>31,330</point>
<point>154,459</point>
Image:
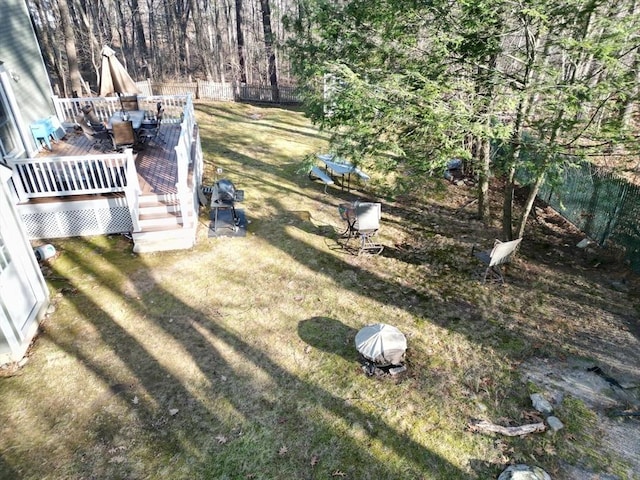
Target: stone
<point>541,404</point>
<point>397,370</point>
<point>523,472</point>
<point>584,243</point>
<point>554,423</point>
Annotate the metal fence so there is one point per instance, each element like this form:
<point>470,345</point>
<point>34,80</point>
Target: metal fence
<point>225,92</point>
<point>602,205</point>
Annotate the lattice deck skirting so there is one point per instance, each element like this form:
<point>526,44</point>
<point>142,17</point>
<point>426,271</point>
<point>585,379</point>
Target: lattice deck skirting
<point>83,218</point>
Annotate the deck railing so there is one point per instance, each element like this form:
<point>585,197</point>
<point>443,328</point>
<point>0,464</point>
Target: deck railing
<point>112,172</point>
<point>184,156</point>
<point>80,175</point>
<point>69,110</point>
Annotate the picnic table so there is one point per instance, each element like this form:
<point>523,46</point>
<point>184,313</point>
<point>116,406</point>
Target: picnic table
<point>334,165</point>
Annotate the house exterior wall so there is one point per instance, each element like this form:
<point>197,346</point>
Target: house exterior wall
<point>24,296</point>
<point>21,57</point>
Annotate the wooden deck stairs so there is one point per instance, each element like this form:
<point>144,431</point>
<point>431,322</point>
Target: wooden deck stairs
<point>162,225</point>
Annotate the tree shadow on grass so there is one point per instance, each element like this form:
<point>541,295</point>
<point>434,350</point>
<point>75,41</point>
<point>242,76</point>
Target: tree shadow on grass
<point>116,426</point>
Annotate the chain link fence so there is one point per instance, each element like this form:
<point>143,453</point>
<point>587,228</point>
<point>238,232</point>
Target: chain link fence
<point>602,205</point>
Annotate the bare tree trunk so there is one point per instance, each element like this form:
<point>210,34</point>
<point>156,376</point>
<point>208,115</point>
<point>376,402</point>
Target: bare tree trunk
<point>484,157</point>
<point>203,53</point>
<point>533,193</point>
<point>70,47</point>
<point>242,74</point>
<point>48,47</point>
<point>268,44</point>
<point>139,38</point>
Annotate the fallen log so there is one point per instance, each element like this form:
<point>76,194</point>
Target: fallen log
<point>483,426</point>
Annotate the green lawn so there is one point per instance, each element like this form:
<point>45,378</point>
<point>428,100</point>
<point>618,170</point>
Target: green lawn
<point>235,360</point>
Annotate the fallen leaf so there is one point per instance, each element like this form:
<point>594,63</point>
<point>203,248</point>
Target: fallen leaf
<point>314,460</point>
<point>532,415</point>
<point>135,400</point>
<point>173,411</point>
<point>222,439</point>
<point>338,473</point>
<point>283,450</point>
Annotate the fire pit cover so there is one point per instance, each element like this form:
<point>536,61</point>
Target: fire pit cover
<point>382,344</point>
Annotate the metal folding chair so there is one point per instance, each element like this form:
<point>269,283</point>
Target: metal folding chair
<point>363,223</point>
<point>150,130</point>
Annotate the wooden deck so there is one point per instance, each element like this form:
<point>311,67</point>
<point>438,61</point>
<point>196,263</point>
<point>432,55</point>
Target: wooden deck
<point>156,162</point>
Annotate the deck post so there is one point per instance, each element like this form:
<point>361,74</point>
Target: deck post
<point>132,190</point>
<point>17,183</point>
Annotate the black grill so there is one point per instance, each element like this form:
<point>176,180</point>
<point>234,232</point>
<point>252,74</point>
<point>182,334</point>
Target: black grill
<point>223,197</point>
<point>226,191</point>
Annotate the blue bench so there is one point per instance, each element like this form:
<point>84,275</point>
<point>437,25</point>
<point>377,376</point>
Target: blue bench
<point>321,175</point>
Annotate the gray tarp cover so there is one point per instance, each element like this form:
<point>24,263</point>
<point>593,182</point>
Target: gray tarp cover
<point>382,344</point>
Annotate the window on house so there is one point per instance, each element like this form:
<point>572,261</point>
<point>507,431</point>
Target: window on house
<point>8,132</point>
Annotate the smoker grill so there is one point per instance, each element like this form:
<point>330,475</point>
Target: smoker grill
<point>223,197</point>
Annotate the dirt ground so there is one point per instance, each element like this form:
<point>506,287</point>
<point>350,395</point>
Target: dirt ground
<point>593,300</point>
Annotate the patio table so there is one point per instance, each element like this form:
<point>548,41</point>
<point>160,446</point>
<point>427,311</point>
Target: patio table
<point>135,116</point>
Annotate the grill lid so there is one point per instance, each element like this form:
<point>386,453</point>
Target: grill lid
<point>226,190</point>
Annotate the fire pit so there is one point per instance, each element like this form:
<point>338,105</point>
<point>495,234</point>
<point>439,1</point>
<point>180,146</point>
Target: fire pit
<point>383,347</point>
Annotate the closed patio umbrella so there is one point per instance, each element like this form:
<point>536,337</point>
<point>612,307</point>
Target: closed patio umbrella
<point>114,78</point>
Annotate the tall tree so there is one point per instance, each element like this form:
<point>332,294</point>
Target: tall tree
<point>400,71</point>
<point>269,49</point>
<point>70,48</point>
<point>242,67</point>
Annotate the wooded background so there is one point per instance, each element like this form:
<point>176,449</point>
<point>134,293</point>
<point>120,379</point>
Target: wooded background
<point>219,40</point>
<point>405,85</point>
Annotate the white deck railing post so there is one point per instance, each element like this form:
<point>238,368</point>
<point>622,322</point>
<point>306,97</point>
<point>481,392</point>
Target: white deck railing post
<point>132,190</point>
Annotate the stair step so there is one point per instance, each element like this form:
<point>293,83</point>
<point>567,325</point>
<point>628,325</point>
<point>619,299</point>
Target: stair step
<point>158,208</point>
<point>175,219</point>
<point>162,239</point>
<point>152,198</point>
<point>162,225</point>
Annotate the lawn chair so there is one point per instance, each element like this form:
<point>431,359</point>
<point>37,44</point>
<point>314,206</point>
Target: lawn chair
<point>500,254</point>
<point>363,223</point>
<point>99,139</point>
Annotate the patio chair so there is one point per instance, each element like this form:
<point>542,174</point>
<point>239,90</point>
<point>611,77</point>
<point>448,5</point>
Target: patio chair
<point>129,102</point>
<point>99,139</point>
<point>365,227</point>
<point>501,253</point>
<point>123,135</point>
<point>150,130</point>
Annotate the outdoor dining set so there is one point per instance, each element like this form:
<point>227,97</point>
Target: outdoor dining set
<point>128,127</point>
